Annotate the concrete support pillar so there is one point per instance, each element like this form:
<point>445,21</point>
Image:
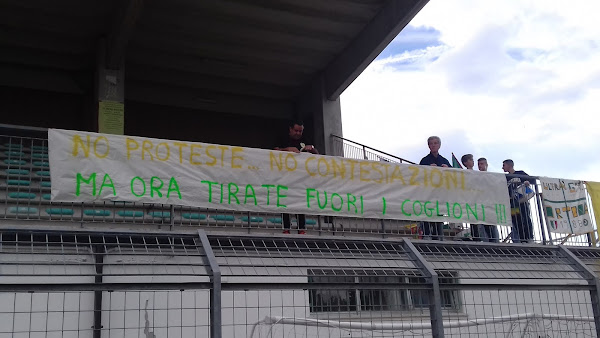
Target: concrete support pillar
<point>110,95</point>
<point>325,117</point>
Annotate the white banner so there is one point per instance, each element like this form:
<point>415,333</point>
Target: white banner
<point>91,167</point>
<point>566,206</point>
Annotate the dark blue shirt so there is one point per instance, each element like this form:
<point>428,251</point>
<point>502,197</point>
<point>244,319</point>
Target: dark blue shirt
<point>512,187</point>
<point>285,141</point>
<point>430,159</point>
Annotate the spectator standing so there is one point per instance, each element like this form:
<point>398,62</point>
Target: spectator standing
<point>467,161</point>
<point>482,164</point>
<point>294,142</point>
<point>434,230</point>
<point>487,233</point>
<point>434,158</point>
<point>520,210</point>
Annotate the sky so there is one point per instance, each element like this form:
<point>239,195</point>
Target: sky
<point>500,79</point>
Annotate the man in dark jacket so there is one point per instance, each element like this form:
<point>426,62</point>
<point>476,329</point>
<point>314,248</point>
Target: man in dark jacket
<point>434,230</point>
<point>519,204</point>
<point>294,142</point>
<point>434,158</point>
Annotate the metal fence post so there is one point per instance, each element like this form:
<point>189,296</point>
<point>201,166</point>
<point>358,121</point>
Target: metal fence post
<point>171,217</point>
<point>98,252</point>
<point>542,217</point>
<point>215,292</point>
<point>593,281</point>
<point>435,297</point>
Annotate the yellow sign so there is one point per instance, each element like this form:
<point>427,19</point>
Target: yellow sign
<point>111,117</point>
<point>593,189</point>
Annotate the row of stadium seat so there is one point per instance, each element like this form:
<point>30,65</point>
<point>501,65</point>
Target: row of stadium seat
<point>23,195</point>
<point>25,172</point>
<point>27,143</point>
<point>24,184</point>
<point>18,158</point>
<point>23,147</point>
<point>12,154</point>
<point>15,163</point>
<point>18,151</point>
<point>70,213</point>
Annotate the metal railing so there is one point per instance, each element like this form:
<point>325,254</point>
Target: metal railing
<point>350,149</point>
<point>93,284</point>
<point>25,197</point>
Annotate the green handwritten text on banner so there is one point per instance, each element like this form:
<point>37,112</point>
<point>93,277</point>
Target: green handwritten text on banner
<point>100,167</point>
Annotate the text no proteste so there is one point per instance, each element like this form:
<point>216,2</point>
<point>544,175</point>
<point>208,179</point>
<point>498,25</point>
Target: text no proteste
<point>146,150</point>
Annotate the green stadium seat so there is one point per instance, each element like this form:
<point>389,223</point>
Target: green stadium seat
<point>44,173</point>
<point>96,212</point>
<point>18,182</point>
<point>252,219</point>
<point>22,210</point>
<point>308,221</point>
<point>39,148</point>
<point>160,214</point>
<point>41,164</point>
<point>230,218</point>
<point>13,145</point>
<point>39,155</point>
<point>22,195</point>
<point>47,197</point>
<point>130,213</point>
<point>13,154</point>
<point>311,222</point>
<point>60,211</point>
<point>46,184</point>
<point>276,220</point>
<point>193,215</point>
<point>16,172</point>
<point>15,162</point>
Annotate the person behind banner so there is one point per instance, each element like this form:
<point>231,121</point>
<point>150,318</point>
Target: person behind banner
<point>434,230</point>
<point>294,142</point>
<point>467,161</point>
<point>434,158</point>
<point>520,210</point>
<point>487,233</point>
<point>482,164</point>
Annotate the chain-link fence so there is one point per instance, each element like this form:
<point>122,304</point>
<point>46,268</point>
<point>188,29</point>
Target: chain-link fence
<point>101,285</point>
<point>90,284</point>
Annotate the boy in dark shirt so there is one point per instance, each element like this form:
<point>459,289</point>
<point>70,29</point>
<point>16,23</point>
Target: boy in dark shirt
<point>488,233</point>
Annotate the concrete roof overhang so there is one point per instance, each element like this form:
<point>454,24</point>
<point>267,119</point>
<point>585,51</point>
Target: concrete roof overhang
<point>216,55</point>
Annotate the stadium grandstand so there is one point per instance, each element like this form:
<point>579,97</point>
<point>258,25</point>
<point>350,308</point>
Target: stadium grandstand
<point>84,82</point>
